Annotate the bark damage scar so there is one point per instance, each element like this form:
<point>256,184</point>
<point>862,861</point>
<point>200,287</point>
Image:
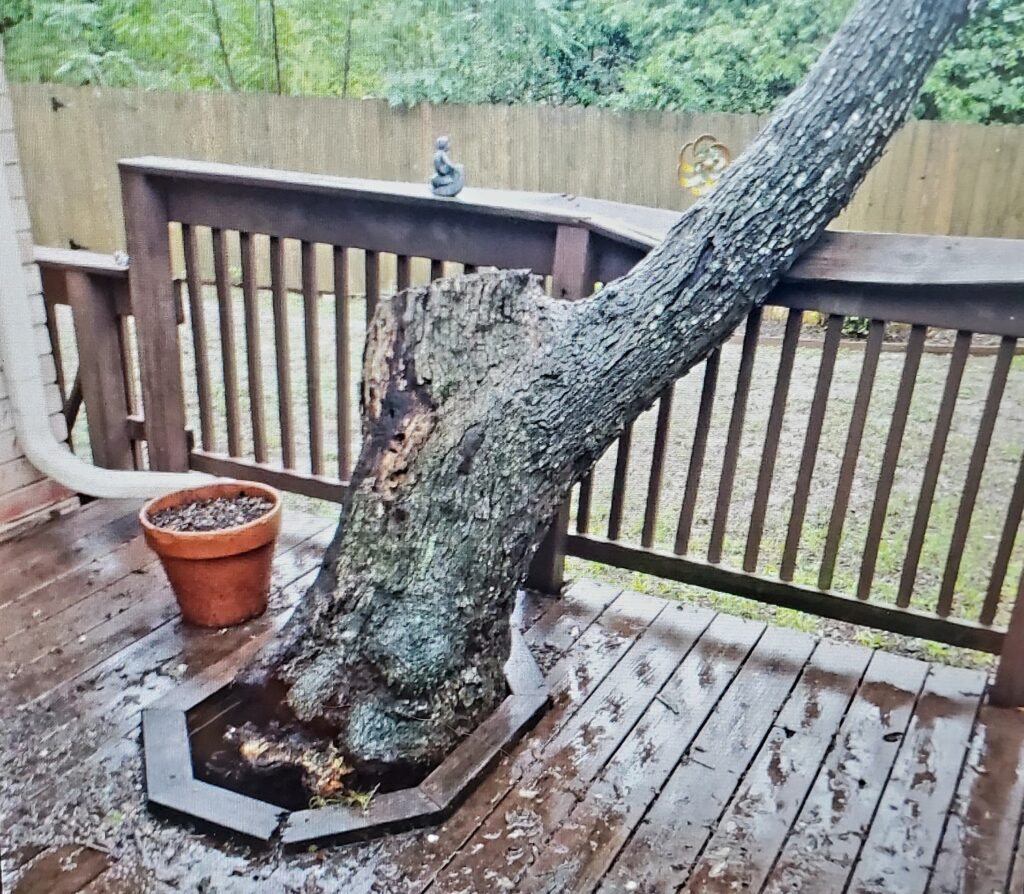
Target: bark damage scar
<point>468,447</point>
<point>398,412</point>
<point>411,431</point>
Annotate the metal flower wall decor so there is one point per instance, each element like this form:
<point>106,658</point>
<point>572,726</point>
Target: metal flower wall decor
<point>701,162</point>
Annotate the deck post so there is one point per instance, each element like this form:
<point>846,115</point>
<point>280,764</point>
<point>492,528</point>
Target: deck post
<point>547,571</point>
<point>571,279</point>
<point>156,319</point>
<point>1008,689</point>
<point>98,333</point>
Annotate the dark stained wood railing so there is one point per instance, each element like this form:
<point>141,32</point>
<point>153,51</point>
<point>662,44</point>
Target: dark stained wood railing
<point>385,236</point>
<point>95,287</point>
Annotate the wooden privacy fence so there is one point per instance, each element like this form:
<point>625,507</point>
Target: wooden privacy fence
<point>936,177</point>
<point>275,379</point>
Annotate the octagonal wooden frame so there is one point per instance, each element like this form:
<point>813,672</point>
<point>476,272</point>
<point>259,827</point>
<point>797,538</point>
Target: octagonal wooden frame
<point>171,784</point>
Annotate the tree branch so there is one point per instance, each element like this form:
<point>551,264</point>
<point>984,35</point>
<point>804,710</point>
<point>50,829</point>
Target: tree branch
<point>729,250</point>
<point>348,49</point>
<point>485,400</point>
<point>277,46</point>
<point>219,26</point>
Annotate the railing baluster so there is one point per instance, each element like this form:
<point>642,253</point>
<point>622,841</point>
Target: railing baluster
<point>201,350</point>
<point>657,467</point>
<point>226,314</point>
<point>619,483</point>
<point>581,254</point>
<point>851,452</point>
<point>372,270</point>
<point>253,347</point>
<point>890,456</point>
<point>1001,562</point>
<point>975,468</point>
<point>282,351</point>
<point>812,438</point>
<point>787,355</point>
<point>101,374</point>
<point>700,443</point>
<point>341,355</point>
<point>932,466</point>
<point>583,505</point>
<point>732,441</point>
<point>53,328</point>
<point>130,376</point>
<point>403,273</point>
<point>311,312</point>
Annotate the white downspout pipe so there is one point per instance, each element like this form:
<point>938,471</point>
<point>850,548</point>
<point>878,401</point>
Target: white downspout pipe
<point>22,372</point>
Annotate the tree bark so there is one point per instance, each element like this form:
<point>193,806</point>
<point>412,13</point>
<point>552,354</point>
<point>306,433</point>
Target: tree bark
<point>484,401</point>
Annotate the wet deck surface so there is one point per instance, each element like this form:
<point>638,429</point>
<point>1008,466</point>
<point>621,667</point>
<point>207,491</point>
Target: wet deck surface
<point>684,750</point>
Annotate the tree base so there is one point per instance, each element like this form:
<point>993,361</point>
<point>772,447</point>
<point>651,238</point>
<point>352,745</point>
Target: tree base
<point>184,745</point>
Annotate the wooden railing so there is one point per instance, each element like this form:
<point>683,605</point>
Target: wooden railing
<point>95,287</point>
<point>275,402</point>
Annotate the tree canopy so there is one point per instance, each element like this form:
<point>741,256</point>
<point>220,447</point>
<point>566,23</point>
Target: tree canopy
<point>700,55</point>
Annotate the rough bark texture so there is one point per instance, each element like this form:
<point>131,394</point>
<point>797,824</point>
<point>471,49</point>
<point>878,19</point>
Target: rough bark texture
<point>484,401</point>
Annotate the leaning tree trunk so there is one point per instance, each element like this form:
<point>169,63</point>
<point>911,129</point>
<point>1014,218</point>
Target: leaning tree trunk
<point>484,401</point>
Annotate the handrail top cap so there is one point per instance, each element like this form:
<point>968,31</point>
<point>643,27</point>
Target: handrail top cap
<point>839,257</point>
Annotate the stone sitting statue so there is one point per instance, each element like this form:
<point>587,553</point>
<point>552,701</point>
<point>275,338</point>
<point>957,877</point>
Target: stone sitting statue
<point>449,178</point>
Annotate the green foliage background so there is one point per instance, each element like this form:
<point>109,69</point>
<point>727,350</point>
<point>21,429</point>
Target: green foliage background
<point>698,55</point>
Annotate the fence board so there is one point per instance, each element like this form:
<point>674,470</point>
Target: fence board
<point>619,482</point>
<point>372,265</point>
<point>975,467</point>
<point>1001,563</point>
<point>657,467</point>
<point>936,178</point>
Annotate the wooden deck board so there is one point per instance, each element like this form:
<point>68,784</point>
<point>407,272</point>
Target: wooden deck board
<point>900,848</point>
<point>30,613</point>
<point>982,830</point>
<point>43,554</point>
<point>749,836</point>
<point>65,870</point>
<point>580,852</point>
<point>41,622</point>
<point>503,847</point>
<point>829,831</point>
<point>1017,873</point>
<point>76,720</point>
<point>682,820</point>
<point>572,679</point>
<point>682,749</point>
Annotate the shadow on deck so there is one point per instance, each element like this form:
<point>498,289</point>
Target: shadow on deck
<point>684,749</point>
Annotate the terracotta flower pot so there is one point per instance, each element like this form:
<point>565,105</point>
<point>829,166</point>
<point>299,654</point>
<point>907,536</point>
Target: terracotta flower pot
<point>220,577</point>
